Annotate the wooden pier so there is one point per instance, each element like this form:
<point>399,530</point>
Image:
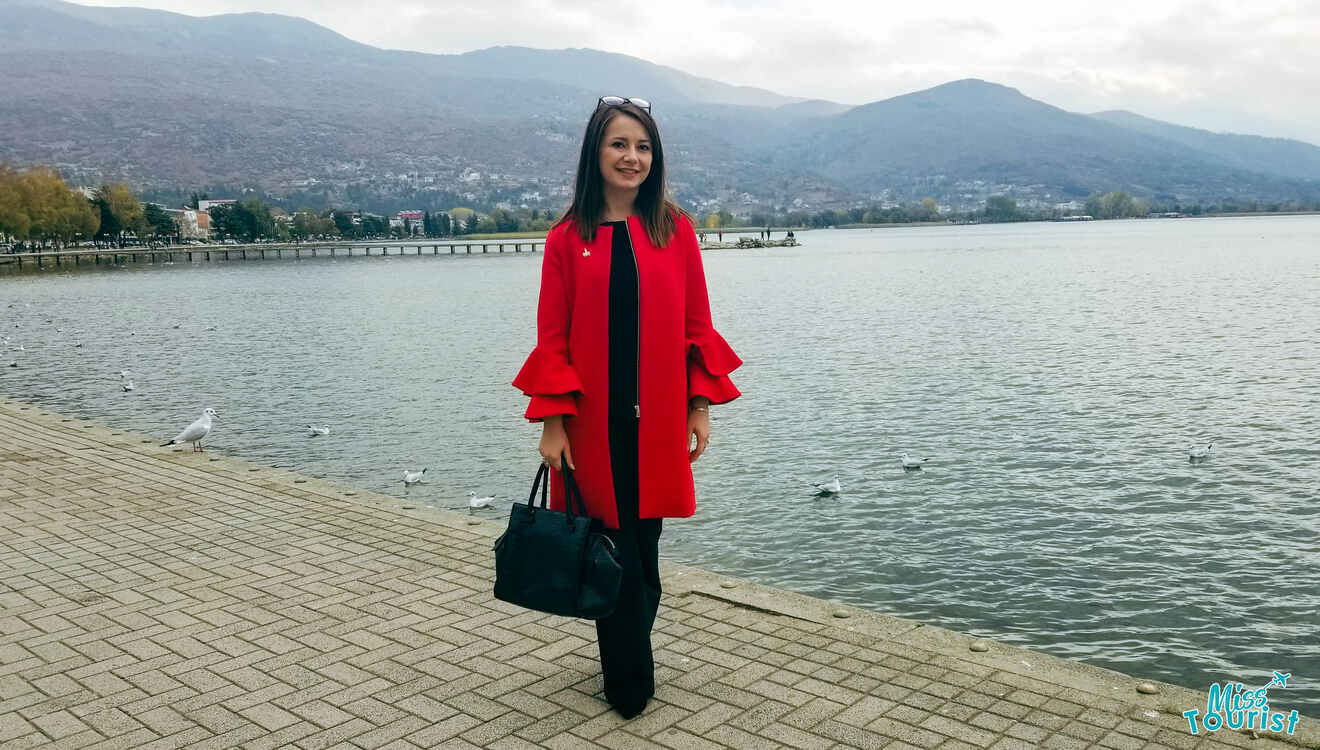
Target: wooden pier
<point>258,251</point>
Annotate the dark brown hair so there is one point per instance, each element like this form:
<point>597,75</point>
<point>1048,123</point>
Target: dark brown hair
<point>657,211</point>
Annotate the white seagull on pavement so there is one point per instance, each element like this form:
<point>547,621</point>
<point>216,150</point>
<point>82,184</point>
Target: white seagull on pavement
<point>194,432</point>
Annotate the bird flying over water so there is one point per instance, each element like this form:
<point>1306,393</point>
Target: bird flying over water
<point>412,477</point>
<point>194,432</point>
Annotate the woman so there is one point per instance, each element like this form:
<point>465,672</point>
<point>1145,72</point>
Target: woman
<point>625,369</point>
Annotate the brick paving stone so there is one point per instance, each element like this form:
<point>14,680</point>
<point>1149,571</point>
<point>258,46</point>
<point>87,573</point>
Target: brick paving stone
<point>738,739</point>
<point>991,722</point>
<point>1027,732</point>
<point>1046,720</point>
<point>955,745</point>
<point>384,734</point>
<point>340,733</point>
<point>165,721</point>
<point>863,711</point>
<point>158,599</point>
<point>959,730</point>
<point>622,740</point>
<point>957,712</point>
<point>1064,742</point>
<point>282,737</point>
<point>794,737</point>
<point>73,741</point>
<point>183,739</point>
<point>1009,743</point>
<point>269,716</point>
<point>13,726</point>
<point>501,726</point>
<point>905,732</point>
<point>59,724</point>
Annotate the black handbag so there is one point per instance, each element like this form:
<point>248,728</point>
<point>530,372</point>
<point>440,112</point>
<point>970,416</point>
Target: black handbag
<point>557,562</point>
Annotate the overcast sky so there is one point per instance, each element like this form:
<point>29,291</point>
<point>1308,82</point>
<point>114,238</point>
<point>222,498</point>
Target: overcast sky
<point>1248,66</point>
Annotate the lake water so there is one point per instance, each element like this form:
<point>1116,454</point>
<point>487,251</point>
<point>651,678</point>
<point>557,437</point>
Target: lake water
<point>1055,376</point>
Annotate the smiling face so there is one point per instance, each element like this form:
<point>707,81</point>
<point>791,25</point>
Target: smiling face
<point>625,154</point>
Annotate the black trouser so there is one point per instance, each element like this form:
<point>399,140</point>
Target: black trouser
<point>625,636</point>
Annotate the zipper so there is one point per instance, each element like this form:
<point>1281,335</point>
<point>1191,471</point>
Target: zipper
<point>637,371</point>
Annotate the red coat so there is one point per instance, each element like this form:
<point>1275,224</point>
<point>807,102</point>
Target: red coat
<point>680,356</point>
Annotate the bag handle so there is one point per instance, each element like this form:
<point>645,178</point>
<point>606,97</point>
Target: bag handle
<point>574,505</point>
<point>541,473</point>
<point>572,492</point>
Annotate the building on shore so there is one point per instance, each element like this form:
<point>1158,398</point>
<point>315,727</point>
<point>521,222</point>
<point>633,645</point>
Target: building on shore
<point>411,221</point>
<point>193,224</point>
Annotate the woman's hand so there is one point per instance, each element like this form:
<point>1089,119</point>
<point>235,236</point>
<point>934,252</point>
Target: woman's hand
<point>698,424</point>
<point>554,443</point>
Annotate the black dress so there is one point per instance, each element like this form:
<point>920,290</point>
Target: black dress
<point>625,636</point>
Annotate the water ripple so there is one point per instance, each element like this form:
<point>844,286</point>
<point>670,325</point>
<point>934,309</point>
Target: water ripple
<point>1054,375</point>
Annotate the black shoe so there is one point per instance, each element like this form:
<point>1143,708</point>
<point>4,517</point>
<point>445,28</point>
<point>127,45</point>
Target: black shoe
<point>632,708</point>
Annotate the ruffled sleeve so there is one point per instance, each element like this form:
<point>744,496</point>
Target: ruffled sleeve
<point>710,358</point>
<point>548,376</point>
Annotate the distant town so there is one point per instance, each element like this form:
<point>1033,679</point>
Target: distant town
<point>38,210</point>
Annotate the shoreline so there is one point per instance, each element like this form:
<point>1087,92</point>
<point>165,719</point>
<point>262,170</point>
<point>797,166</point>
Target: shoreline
<point>287,599</point>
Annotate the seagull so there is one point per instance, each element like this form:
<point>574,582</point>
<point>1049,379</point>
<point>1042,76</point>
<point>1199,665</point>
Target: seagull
<point>477,502</point>
<point>194,432</point>
<point>128,385</point>
<point>125,373</point>
<point>317,431</point>
<point>412,477</point>
<point>910,463</point>
<point>1199,453</point>
<point>831,487</point>
<point>77,344</point>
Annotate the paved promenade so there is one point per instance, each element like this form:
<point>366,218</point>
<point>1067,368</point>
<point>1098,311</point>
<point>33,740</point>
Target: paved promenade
<point>152,598</point>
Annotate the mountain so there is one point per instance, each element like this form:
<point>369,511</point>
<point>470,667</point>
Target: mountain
<point>279,105</point>
<point>610,73</point>
<point>1279,156</point>
<point>949,137</point>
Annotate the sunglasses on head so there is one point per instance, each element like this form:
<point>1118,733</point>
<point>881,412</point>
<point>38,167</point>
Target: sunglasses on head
<point>618,101</point>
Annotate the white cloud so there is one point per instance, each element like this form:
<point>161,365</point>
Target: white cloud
<point>1250,67</point>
